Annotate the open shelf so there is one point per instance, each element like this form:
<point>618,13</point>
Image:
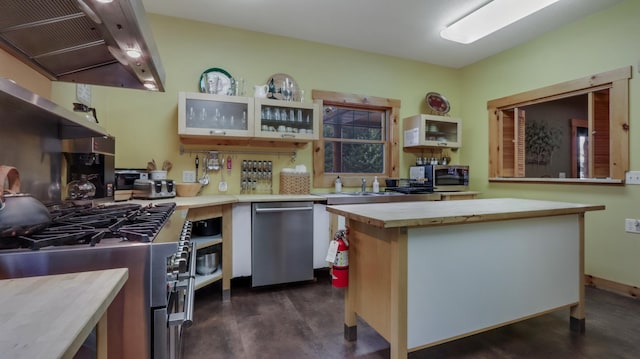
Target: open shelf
<point>203,280</point>
<point>206,241</point>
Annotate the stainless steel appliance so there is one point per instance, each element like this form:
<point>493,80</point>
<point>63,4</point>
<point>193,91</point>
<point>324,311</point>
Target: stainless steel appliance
<point>281,242</point>
<point>153,242</point>
<point>93,159</point>
<point>152,189</point>
<point>125,177</point>
<point>83,41</point>
<point>443,178</point>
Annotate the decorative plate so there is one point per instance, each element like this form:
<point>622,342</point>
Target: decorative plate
<point>215,81</point>
<point>276,84</point>
<point>437,103</point>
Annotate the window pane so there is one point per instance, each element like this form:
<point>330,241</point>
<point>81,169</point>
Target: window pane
<point>353,124</point>
<point>353,157</point>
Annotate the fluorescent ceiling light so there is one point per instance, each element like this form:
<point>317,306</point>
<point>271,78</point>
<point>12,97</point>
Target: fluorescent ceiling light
<point>490,18</point>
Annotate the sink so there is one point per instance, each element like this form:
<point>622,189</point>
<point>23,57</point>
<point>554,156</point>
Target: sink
<point>359,193</point>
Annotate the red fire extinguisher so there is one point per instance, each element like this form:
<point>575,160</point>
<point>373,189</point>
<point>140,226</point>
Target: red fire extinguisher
<point>340,271</point>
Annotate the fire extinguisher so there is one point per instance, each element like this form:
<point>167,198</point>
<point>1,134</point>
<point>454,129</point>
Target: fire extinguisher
<point>340,271</point>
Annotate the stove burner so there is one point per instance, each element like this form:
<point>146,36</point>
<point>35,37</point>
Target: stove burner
<point>83,224</point>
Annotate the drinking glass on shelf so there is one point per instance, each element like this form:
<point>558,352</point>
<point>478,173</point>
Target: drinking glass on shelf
<point>286,89</point>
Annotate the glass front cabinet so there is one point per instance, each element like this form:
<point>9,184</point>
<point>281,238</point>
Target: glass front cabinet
<point>202,114</point>
<point>219,116</point>
<point>286,120</point>
<point>432,131</point>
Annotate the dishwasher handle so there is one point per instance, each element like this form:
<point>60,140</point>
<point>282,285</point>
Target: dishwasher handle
<point>283,209</point>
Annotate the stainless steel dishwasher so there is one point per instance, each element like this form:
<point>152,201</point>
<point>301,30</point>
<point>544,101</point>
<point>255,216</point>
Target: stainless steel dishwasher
<point>281,242</point>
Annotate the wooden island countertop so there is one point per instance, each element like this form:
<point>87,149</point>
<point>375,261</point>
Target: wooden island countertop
<point>51,316</point>
<point>433,213</point>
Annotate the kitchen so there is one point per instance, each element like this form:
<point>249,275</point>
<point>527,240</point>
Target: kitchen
<point>142,120</point>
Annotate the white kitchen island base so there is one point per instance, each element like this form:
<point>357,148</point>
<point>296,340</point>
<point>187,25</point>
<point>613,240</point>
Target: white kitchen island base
<point>422,274</point>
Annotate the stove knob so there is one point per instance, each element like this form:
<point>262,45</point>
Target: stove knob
<point>181,264</point>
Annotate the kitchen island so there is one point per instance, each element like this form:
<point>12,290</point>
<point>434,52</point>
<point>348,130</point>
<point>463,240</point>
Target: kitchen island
<point>424,273</point>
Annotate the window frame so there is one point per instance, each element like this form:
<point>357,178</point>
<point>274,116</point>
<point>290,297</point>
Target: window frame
<point>392,145</point>
<point>617,81</point>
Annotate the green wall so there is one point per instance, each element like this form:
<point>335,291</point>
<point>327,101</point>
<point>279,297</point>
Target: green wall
<point>599,43</point>
<point>145,123</point>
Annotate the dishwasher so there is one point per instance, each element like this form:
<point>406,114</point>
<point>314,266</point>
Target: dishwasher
<point>281,242</point>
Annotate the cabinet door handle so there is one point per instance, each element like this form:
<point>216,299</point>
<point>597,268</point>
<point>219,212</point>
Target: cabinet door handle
<point>218,132</point>
<point>288,135</point>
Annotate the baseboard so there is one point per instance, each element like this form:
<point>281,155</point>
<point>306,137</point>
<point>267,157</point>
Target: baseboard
<point>605,284</point>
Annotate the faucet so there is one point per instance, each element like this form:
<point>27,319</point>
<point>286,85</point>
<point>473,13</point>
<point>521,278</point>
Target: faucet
<point>364,185</point>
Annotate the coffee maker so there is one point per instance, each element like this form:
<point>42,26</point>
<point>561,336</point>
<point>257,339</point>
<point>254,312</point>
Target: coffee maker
<point>93,160</point>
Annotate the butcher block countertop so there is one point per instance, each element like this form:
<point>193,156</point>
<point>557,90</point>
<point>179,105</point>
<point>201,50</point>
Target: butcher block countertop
<point>216,200</point>
<point>416,214</point>
<point>51,316</point>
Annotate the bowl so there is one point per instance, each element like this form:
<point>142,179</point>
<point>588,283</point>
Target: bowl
<point>187,189</point>
<point>207,263</point>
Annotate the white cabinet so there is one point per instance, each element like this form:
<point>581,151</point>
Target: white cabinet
<point>432,131</point>
<point>205,116</point>
<point>241,248</point>
<point>201,114</point>
<point>321,236</point>
<point>286,120</point>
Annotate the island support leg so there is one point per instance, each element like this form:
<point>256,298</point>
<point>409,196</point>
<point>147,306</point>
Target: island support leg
<point>398,334</point>
<point>227,255</point>
<point>350,324</point>
<point>577,312</point>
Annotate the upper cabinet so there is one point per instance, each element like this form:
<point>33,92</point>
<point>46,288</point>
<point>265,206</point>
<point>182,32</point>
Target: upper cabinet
<point>432,131</point>
<point>286,120</point>
<point>204,116</point>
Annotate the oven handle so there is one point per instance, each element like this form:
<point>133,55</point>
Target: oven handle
<point>191,287</point>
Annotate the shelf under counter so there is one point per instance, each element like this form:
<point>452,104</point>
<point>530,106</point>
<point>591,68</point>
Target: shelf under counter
<point>204,280</point>
<point>206,241</point>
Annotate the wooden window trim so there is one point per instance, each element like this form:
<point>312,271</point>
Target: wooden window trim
<point>618,83</point>
<point>392,165</point>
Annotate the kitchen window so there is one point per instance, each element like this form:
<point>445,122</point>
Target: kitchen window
<point>359,139</point>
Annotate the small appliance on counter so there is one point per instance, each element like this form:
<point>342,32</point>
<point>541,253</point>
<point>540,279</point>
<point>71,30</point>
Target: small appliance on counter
<point>125,177</point>
<point>89,160</point>
<point>153,189</point>
<point>408,186</point>
<point>443,178</point>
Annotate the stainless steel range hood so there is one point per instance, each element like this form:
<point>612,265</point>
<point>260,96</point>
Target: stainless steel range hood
<point>83,41</point>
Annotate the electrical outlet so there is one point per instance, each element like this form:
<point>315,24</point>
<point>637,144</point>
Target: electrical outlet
<point>632,225</point>
<point>632,177</point>
<point>188,176</point>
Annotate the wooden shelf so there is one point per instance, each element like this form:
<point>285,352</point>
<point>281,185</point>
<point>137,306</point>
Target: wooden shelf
<point>206,241</point>
<point>204,280</point>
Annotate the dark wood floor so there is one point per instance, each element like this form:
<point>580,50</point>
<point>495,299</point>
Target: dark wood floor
<point>306,321</point>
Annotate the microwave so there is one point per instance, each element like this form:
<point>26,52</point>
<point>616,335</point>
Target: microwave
<point>443,178</point>
<point>125,178</point>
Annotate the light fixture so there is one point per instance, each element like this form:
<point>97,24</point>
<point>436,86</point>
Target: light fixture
<point>491,17</point>
<point>150,85</point>
<point>133,53</point>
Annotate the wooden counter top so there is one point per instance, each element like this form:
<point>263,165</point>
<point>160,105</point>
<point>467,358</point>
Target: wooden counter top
<point>414,214</point>
<point>51,316</point>
<point>216,200</point>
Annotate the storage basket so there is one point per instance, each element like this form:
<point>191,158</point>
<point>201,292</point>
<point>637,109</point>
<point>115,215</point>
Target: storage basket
<point>294,183</point>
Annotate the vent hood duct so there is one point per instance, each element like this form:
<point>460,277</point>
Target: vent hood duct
<point>83,41</point>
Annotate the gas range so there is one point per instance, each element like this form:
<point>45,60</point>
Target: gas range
<point>82,224</point>
<point>152,242</point>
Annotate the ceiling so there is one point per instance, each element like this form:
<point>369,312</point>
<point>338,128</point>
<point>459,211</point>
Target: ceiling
<point>403,28</point>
